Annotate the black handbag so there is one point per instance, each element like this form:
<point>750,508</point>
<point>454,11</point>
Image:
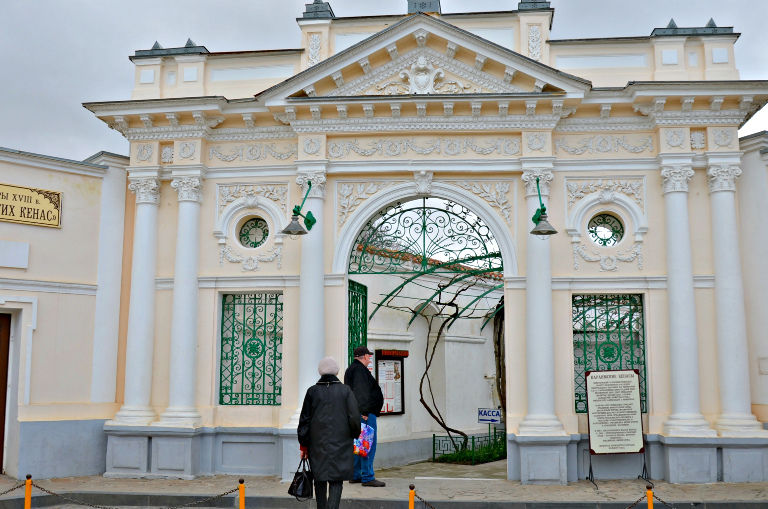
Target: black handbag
<point>301,487</point>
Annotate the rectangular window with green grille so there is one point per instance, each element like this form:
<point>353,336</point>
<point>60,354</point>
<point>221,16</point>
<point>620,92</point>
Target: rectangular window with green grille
<point>251,349</point>
<point>357,317</point>
<point>608,334</point>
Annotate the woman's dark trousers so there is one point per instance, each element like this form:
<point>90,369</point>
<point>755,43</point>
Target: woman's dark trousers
<point>333,498</point>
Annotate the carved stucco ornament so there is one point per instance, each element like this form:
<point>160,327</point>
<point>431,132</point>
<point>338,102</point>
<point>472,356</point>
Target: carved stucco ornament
<point>189,188</point>
<point>423,182</point>
<point>722,177</point>
<point>675,178</point>
<point>147,190</point>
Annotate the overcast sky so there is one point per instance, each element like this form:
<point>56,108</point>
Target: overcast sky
<point>57,54</point>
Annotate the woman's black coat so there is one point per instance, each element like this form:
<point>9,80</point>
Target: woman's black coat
<point>329,422</point>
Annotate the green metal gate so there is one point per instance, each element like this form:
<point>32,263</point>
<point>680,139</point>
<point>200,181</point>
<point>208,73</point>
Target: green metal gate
<point>358,316</point>
<point>608,334</point>
<point>251,349</point>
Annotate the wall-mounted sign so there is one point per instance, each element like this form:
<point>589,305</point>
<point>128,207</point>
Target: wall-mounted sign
<point>615,419</point>
<point>390,374</point>
<point>27,205</point>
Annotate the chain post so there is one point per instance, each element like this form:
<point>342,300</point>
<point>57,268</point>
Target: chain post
<point>473,449</point>
<point>241,492</point>
<point>28,493</point>
<point>434,437</point>
<point>649,495</point>
<point>411,496</point>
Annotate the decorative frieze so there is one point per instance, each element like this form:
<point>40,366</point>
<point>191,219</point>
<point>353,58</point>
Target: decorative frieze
<point>352,194</point>
<point>675,138</point>
<point>447,147</point>
<point>723,138</point>
<point>675,178</point>
<point>600,144</point>
<point>216,135</point>
<point>537,141</point>
<point>610,124</point>
<point>275,192</point>
<point>495,193</point>
<point>251,263</point>
<point>186,150</point>
<point>147,190</point>
<point>255,152</point>
<point>188,188</point>
<point>312,146</point>
<point>608,263</point>
<point>578,189</point>
<point>722,177</point>
<point>545,180</point>
<point>534,42</point>
<point>144,152</point>
<point>426,123</point>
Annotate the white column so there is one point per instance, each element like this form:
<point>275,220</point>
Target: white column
<point>109,273</point>
<point>141,312</point>
<point>539,333</point>
<point>311,289</point>
<point>182,390</point>
<point>686,418</point>
<point>736,418</point>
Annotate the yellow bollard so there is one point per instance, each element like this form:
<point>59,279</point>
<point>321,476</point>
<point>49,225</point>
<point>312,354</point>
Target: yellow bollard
<point>241,489</point>
<point>649,495</point>
<point>411,496</point>
<point>28,493</point>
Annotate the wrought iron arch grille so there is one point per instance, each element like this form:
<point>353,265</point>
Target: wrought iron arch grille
<point>251,349</point>
<point>608,334</point>
<point>421,237</point>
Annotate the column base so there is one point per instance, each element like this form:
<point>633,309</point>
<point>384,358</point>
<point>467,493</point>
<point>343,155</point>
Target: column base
<point>133,416</point>
<point>180,417</point>
<point>541,425</point>
<point>688,425</point>
<point>739,425</point>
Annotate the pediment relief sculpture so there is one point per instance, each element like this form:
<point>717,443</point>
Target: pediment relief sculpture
<point>425,71</point>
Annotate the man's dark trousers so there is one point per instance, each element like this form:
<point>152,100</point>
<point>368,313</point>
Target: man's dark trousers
<point>364,466</point>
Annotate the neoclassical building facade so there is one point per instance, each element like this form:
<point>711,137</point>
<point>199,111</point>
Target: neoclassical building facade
<point>466,121</point>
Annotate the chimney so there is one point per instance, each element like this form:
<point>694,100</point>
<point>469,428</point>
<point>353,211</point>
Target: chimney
<point>415,6</point>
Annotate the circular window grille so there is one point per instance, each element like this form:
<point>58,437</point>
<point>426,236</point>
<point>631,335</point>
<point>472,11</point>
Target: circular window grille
<point>605,230</point>
<point>254,232</point>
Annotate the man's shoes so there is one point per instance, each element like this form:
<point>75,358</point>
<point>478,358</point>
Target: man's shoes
<point>355,481</point>
<point>375,484</point>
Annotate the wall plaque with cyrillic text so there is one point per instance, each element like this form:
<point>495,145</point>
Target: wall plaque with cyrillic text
<point>27,205</point>
<point>615,418</point>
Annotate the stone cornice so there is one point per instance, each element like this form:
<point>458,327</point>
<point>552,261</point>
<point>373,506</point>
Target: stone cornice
<point>385,124</point>
<point>206,133</point>
<point>589,124</point>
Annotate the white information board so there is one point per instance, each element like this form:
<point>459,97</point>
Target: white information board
<point>615,417</point>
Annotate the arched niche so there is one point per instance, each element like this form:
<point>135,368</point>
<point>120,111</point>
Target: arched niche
<point>232,215</point>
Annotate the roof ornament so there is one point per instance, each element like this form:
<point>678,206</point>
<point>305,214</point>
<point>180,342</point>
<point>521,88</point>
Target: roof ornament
<point>711,23</point>
<point>190,44</point>
<point>156,45</point>
<point>318,10</point>
<point>672,23</point>
<point>415,6</point>
<point>531,5</point>
<point>673,30</point>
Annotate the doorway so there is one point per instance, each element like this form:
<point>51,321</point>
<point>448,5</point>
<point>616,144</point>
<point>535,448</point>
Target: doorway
<point>5,347</point>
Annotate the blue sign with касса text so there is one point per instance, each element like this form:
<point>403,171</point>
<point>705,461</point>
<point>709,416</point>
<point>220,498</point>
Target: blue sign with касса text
<point>489,415</point>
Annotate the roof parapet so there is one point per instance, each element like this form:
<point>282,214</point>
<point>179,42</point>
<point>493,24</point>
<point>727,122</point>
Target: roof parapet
<point>190,48</point>
<point>710,29</point>
<point>415,6</point>
<point>532,5</point>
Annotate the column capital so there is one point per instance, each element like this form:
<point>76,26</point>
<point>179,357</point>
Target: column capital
<point>188,188</point>
<point>675,178</point>
<point>317,178</point>
<point>722,177</point>
<point>146,189</point>
<point>545,177</point>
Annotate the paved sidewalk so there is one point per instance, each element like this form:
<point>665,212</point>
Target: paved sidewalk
<point>453,486</point>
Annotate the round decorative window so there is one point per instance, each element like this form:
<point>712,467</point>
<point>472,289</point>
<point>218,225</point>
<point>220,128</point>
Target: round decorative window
<point>605,230</point>
<point>254,232</point>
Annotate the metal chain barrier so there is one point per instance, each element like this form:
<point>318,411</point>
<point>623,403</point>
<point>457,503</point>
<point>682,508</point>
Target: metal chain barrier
<point>77,502</point>
<point>10,490</point>
<point>637,502</point>
<point>660,500</point>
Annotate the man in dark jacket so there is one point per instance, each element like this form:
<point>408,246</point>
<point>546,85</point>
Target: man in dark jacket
<point>329,422</point>
<point>370,400</point>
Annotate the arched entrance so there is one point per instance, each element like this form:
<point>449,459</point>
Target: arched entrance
<point>431,269</point>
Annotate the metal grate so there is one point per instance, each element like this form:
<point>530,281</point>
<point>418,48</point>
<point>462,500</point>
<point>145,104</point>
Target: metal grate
<point>358,316</point>
<point>608,334</point>
<point>251,349</point>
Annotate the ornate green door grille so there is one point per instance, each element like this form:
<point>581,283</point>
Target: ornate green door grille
<point>358,316</point>
<point>608,334</point>
<point>251,349</point>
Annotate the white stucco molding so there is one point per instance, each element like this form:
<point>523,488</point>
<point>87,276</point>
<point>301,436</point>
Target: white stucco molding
<point>396,336</point>
<point>232,213</point>
<point>11,303</point>
<point>405,191</point>
<point>607,201</point>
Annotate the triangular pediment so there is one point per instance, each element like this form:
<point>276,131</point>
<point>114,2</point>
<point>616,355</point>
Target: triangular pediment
<point>423,55</point>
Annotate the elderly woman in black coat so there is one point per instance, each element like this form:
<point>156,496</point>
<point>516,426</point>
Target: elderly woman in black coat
<point>329,422</point>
